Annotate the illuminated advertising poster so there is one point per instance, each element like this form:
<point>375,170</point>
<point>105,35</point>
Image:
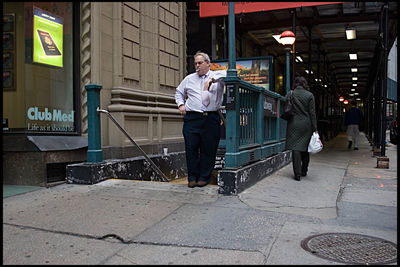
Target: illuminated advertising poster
<point>254,71</point>
<point>47,38</point>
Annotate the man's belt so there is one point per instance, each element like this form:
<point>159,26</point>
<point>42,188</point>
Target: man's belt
<point>205,113</point>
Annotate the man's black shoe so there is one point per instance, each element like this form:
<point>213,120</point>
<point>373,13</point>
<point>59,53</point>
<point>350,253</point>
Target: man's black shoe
<point>192,184</point>
<point>303,173</point>
<point>350,143</point>
<point>297,177</point>
<point>201,183</point>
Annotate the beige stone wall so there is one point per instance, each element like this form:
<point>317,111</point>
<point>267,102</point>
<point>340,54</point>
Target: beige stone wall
<point>136,51</point>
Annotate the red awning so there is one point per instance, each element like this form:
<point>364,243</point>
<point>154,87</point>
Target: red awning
<point>212,9</point>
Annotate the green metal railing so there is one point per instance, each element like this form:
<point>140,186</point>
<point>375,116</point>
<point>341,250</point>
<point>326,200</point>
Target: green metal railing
<point>253,128</point>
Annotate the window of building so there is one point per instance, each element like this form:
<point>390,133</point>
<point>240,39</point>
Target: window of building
<point>38,68</point>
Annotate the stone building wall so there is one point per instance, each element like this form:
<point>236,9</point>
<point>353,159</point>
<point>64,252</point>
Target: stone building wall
<point>136,52</point>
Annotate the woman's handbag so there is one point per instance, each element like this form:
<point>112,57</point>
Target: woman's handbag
<point>315,144</point>
<point>288,112</point>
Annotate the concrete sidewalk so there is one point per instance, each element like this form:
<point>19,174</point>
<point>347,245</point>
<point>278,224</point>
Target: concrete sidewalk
<point>131,222</point>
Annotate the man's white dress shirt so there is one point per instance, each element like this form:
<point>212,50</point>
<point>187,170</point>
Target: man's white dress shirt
<point>197,99</point>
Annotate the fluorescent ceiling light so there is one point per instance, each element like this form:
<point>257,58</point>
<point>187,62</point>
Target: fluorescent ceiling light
<point>355,93</point>
<point>354,69</point>
<point>354,78</point>
<point>350,33</point>
<point>299,58</point>
<point>353,56</point>
<point>358,99</point>
<point>351,94</point>
<point>353,89</point>
<point>354,84</point>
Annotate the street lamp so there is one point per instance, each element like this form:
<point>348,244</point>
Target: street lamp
<point>287,39</point>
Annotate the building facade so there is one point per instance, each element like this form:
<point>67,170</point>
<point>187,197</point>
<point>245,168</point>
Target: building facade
<point>136,51</point>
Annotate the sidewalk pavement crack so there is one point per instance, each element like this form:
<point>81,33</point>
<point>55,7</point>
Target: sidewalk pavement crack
<point>272,246</point>
<point>341,189</point>
<point>115,236</point>
<point>72,234</point>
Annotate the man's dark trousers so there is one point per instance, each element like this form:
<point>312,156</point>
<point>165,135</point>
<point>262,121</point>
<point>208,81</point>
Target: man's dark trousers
<point>202,134</point>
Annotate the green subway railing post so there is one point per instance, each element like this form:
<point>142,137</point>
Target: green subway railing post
<point>278,120</point>
<point>232,72</point>
<point>259,127</point>
<point>232,103</point>
<point>95,153</point>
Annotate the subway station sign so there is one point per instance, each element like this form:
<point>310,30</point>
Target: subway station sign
<point>47,38</point>
<point>213,9</point>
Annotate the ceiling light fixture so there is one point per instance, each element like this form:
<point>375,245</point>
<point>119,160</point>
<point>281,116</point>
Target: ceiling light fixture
<point>354,78</point>
<point>354,69</point>
<point>287,38</point>
<point>353,56</point>
<point>299,59</point>
<point>350,33</point>
<point>354,84</point>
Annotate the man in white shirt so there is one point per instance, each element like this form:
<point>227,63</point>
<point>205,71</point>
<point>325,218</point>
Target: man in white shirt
<point>199,97</point>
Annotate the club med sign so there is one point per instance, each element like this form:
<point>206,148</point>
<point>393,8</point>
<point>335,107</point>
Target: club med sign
<point>49,121</point>
<point>213,9</point>
<point>34,114</point>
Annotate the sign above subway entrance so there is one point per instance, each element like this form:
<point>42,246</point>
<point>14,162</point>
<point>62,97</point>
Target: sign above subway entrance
<point>213,9</point>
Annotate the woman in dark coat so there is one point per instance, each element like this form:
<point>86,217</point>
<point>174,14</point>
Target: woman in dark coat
<point>301,127</point>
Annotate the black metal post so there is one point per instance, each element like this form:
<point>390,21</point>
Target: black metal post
<point>294,45</point>
<point>309,54</point>
<point>384,80</point>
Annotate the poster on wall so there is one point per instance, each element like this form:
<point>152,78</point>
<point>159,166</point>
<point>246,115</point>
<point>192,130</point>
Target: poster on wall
<point>47,38</point>
<point>255,71</point>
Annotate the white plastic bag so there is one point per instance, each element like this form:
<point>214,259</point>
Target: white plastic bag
<point>315,144</point>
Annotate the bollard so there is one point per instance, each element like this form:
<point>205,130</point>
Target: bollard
<point>95,153</point>
<point>382,162</point>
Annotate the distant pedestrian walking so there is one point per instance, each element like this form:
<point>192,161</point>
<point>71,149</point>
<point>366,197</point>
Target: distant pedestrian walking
<point>352,120</point>
<point>301,127</point>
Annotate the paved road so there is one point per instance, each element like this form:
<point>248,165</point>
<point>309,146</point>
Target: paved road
<point>132,222</point>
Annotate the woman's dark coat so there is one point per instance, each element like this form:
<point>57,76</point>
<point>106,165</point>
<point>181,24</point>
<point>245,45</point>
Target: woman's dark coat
<point>301,126</point>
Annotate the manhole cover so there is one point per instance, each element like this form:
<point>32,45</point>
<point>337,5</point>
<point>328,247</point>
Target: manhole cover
<point>351,248</point>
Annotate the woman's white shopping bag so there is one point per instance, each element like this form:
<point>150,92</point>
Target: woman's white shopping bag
<point>315,144</point>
